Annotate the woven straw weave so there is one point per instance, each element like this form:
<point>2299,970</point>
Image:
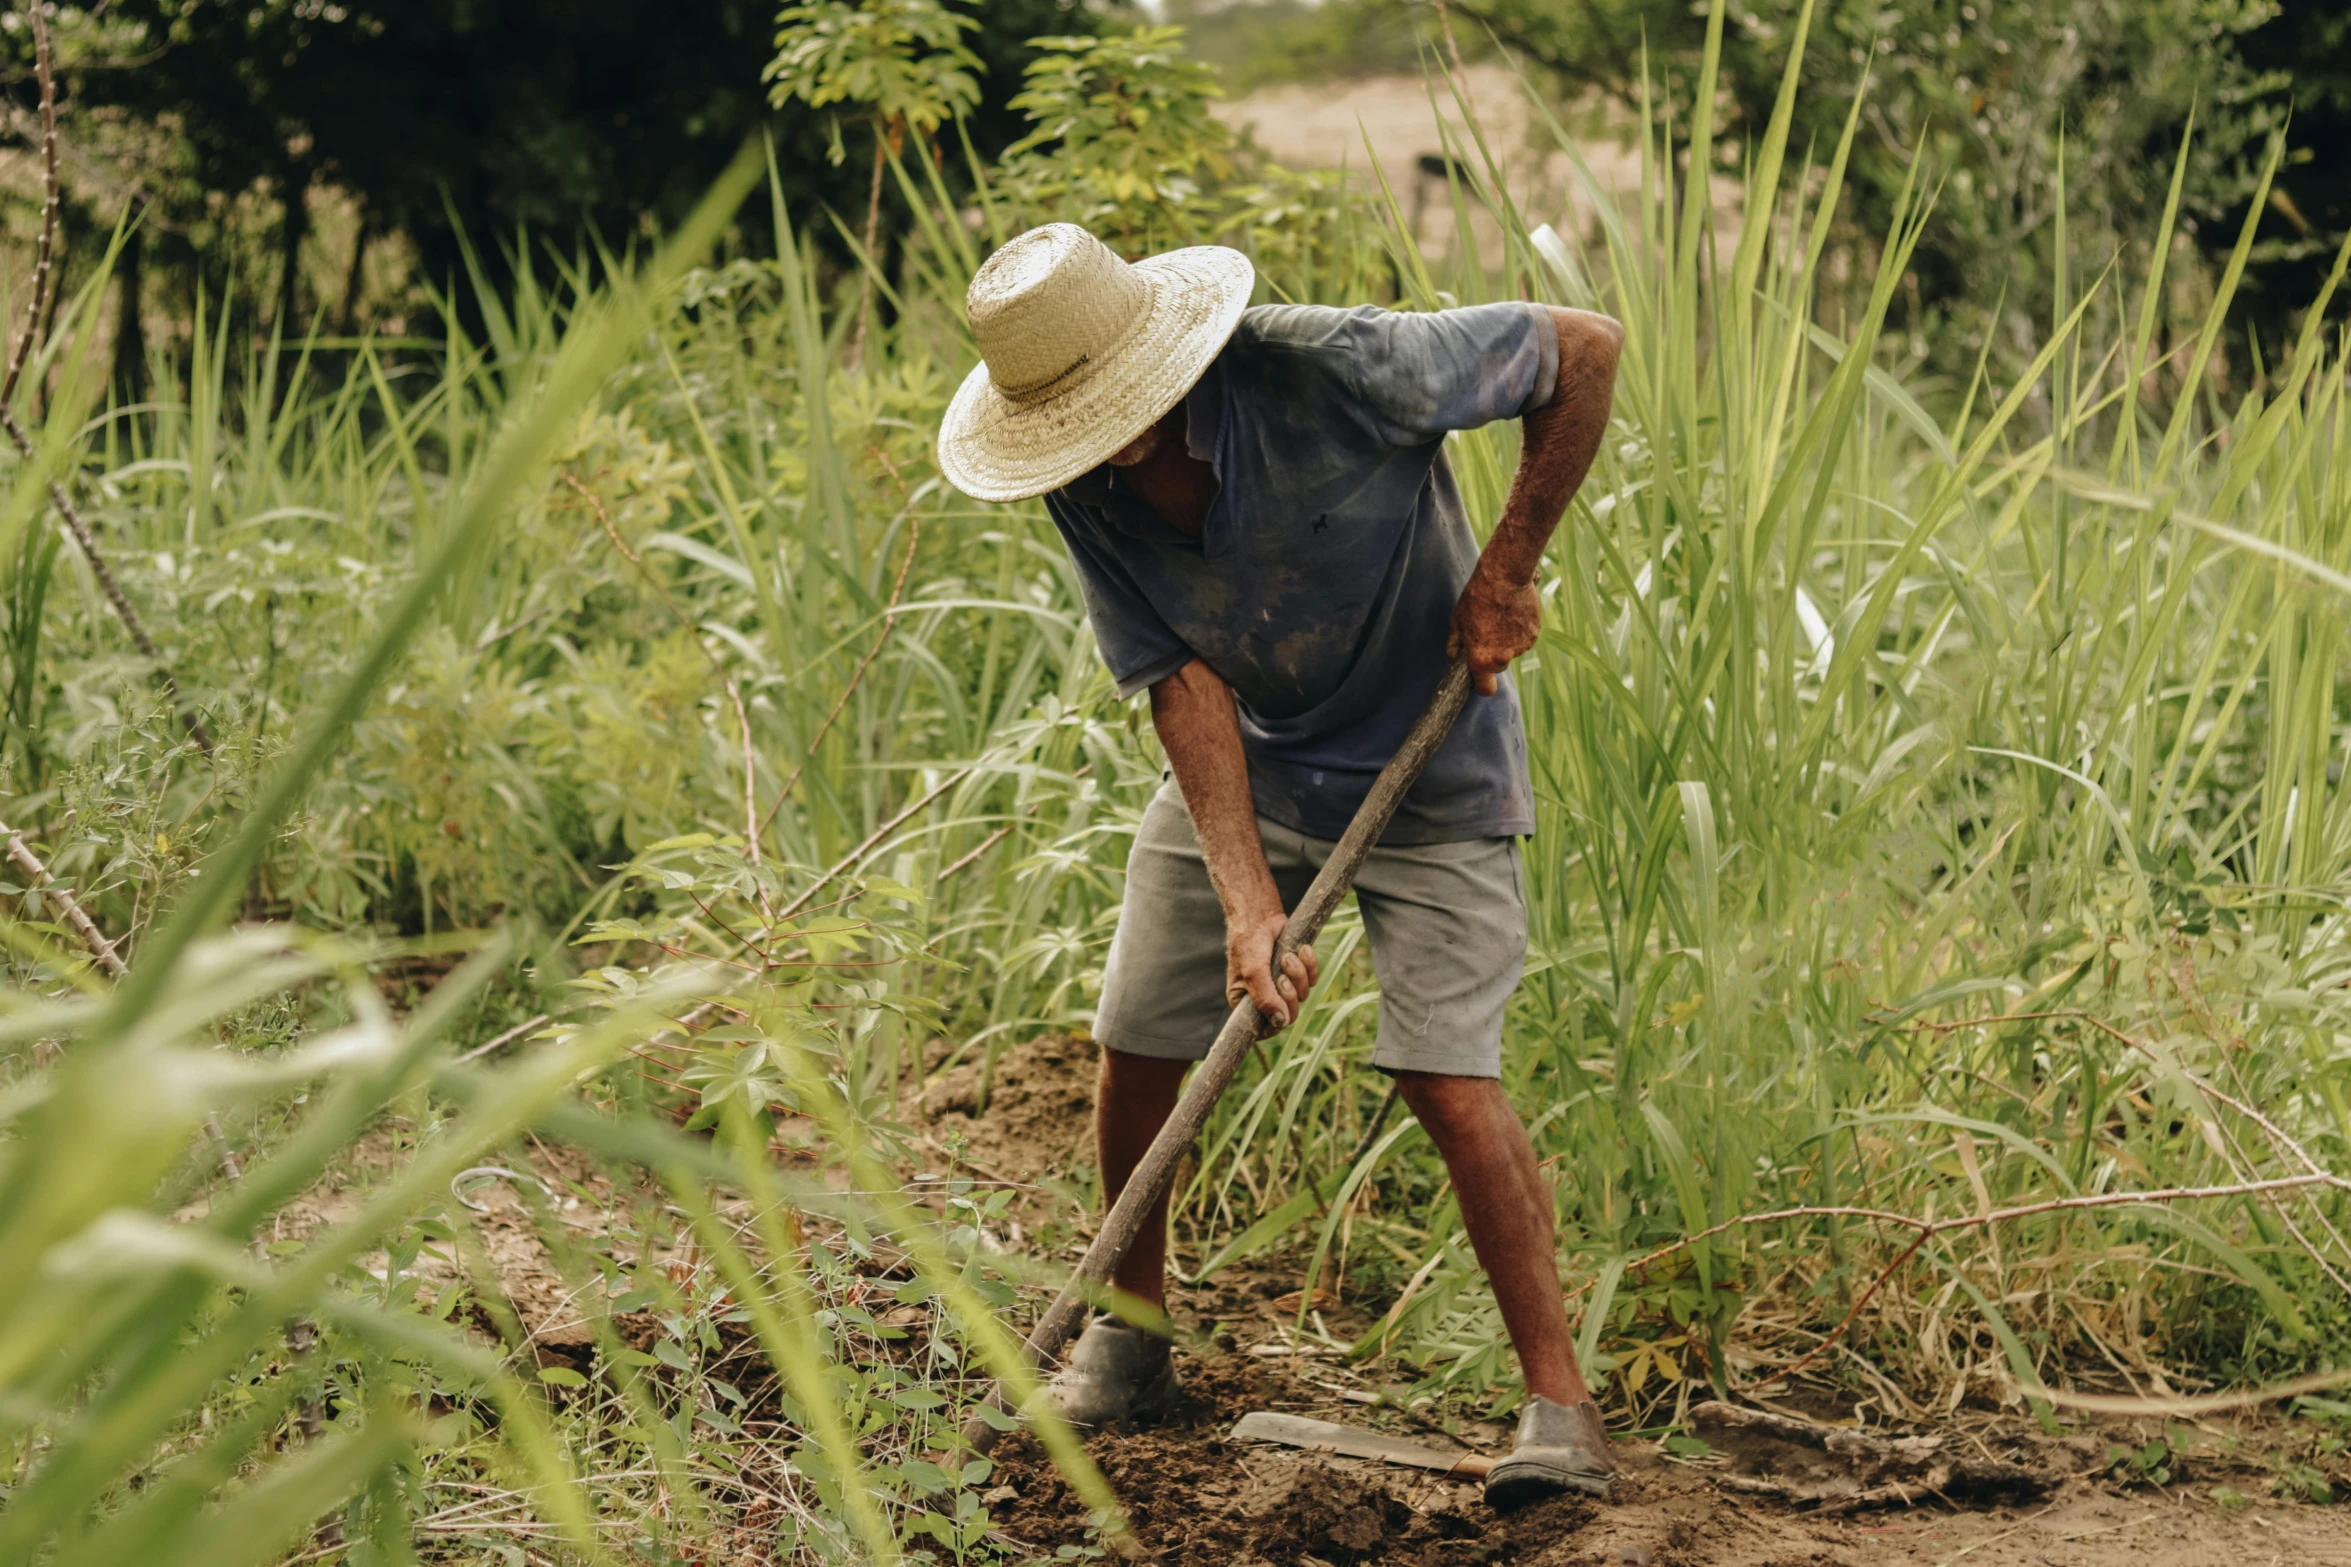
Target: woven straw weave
<point>1080,353</point>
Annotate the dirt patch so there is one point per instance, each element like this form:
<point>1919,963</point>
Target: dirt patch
<point>1039,1110</point>
<point>1198,1499</point>
<point>550,1312</point>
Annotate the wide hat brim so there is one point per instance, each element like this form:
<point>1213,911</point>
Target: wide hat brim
<point>996,448</point>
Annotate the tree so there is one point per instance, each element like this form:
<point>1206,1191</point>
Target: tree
<point>902,62</point>
<point>559,119</point>
<point>1997,97</point>
<point>2308,42</point>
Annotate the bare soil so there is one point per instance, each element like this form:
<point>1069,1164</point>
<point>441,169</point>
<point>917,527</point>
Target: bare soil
<point>1395,131</point>
<point>1198,1499</point>
<point>1028,1120</point>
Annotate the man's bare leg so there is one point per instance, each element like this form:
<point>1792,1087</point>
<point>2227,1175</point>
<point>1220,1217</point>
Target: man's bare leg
<point>1134,1098</point>
<point>1506,1207</point>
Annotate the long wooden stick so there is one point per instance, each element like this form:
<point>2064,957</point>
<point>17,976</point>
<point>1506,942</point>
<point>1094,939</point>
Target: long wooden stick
<point>1154,1177</point>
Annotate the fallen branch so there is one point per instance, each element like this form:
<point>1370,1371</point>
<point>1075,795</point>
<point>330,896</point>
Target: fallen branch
<point>62,899</point>
<point>2191,1404</point>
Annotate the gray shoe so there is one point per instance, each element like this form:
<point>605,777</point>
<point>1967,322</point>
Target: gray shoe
<point>1116,1374</point>
<point>1558,1449</point>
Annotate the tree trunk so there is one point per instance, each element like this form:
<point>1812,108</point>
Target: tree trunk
<point>873,230</point>
<point>130,333</point>
<point>296,228</point>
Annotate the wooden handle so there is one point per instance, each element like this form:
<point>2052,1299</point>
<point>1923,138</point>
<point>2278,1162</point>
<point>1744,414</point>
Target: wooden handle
<point>1156,1174</point>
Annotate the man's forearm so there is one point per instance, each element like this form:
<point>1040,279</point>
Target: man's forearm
<point>1500,613</point>
<point>1201,731</point>
<point>1558,443</point>
<point>1198,728</point>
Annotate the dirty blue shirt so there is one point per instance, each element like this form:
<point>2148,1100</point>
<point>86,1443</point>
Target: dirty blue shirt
<point>1334,547</point>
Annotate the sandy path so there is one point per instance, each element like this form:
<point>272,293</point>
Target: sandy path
<point>1397,121</point>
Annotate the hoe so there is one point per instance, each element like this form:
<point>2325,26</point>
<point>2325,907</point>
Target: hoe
<point>1156,1174</point>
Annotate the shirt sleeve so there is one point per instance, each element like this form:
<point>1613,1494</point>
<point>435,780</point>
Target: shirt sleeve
<point>1138,646</point>
<point>1420,374</point>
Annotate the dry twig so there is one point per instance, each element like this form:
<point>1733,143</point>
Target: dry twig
<point>507,1038</point>
<point>44,253</point>
<point>2241,1164</point>
<point>52,202</point>
<point>78,920</point>
<point>62,899</point>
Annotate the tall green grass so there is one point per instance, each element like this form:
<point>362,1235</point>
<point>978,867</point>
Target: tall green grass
<point>1939,811</point>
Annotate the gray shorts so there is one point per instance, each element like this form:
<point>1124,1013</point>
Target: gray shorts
<point>1447,923</point>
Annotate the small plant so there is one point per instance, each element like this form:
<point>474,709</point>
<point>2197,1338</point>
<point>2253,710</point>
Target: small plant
<point>1123,133</point>
<point>2150,1463</point>
<point>902,62</point>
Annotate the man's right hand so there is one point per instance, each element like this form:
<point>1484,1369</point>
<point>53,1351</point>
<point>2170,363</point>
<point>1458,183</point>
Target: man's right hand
<point>1248,968</point>
<point>1193,711</point>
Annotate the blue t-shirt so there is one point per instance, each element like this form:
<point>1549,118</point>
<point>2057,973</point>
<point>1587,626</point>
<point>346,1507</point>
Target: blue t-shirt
<point>1323,582</point>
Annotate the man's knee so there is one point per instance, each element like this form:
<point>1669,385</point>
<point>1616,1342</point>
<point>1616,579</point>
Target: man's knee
<point>1125,1075</point>
<point>1442,1101</point>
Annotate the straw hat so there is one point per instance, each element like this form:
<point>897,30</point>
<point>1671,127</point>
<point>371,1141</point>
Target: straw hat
<point>1080,353</point>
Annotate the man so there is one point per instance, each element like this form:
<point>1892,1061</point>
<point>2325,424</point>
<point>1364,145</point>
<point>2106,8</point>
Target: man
<point>1270,541</point>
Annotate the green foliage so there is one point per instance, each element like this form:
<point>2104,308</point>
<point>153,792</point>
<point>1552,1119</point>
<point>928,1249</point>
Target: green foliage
<point>538,128</point>
<point>2027,118</point>
<point>2308,44</point>
<point>1123,130</point>
<point>1936,814</point>
<point>2150,1463</point>
<point>902,61</point>
<point>439,117</point>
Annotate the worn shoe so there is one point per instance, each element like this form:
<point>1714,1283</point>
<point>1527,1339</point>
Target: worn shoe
<point>1117,1374</point>
<point>1558,1449</point>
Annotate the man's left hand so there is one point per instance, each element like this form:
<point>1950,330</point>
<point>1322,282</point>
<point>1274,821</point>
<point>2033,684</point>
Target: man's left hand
<point>1493,623</point>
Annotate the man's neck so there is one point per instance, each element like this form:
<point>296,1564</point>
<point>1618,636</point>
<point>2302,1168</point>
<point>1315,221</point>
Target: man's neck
<point>1177,484</point>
